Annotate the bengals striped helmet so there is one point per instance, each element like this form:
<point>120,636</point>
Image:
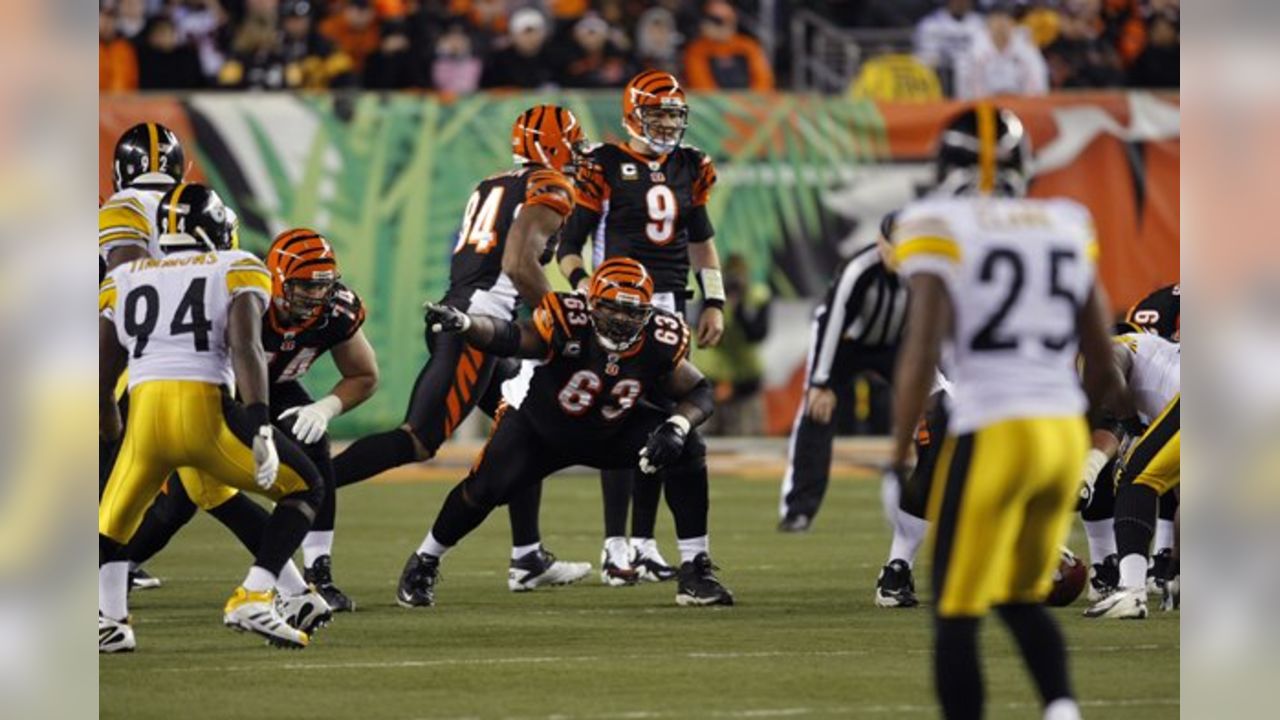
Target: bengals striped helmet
<point>548,135</point>
<point>304,275</point>
<point>654,110</point>
<point>620,296</point>
<point>147,148</point>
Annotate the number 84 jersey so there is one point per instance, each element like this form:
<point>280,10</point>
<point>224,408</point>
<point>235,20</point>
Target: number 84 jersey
<point>581,390</point>
<point>171,313</point>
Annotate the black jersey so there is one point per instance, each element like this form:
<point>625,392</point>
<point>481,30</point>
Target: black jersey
<point>647,209</point>
<point>291,351</point>
<point>858,326</point>
<point>476,282</point>
<point>1160,311</point>
<point>582,391</point>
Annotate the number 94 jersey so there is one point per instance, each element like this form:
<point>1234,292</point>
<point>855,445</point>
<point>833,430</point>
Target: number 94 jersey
<point>1017,272</point>
<point>581,390</point>
<point>170,313</point>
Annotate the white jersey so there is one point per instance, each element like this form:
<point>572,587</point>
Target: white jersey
<point>128,218</point>
<point>1155,373</point>
<point>1017,270</point>
<point>171,313</point>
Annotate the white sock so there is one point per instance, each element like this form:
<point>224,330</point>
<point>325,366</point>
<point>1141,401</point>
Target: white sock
<point>290,582</point>
<point>690,547</point>
<point>519,551</point>
<point>258,580</point>
<point>113,590</point>
<point>1133,571</point>
<point>431,546</point>
<point>315,544</point>
<point>1102,539</point>
<point>908,533</point>
<point>1164,535</point>
<point>1062,709</point>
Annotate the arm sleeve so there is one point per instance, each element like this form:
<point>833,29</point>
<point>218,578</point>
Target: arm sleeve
<point>924,243</point>
<point>573,237</point>
<point>705,180</point>
<point>698,222</point>
<point>107,298</point>
<point>251,276</point>
<point>697,68</point>
<point>761,74</point>
<point>832,323</point>
<point>122,222</point>
<point>550,189</point>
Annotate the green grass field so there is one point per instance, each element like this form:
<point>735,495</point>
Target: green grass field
<point>804,640</point>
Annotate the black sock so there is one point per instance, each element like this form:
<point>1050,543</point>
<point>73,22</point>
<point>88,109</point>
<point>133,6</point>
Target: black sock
<point>1168,506</point>
<point>1042,648</point>
<point>1135,519</point>
<point>523,510</point>
<point>166,516</point>
<point>646,494</point>
<point>286,527</point>
<point>615,485</point>
<point>956,671</point>
<point>458,517</point>
<point>371,455</point>
<point>687,491</point>
<point>329,506</point>
<point>246,519</point>
<point>109,550</point>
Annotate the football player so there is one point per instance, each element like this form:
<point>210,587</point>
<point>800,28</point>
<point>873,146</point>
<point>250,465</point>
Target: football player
<point>188,327</point>
<point>646,199</point>
<point>582,405</point>
<point>521,207</point>
<point>1008,286</point>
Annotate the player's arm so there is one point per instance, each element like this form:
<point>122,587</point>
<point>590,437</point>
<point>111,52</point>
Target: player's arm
<point>123,232</point>
<point>1103,382</point>
<point>529,235</point>
<point>248,359</point>
<point>358,365</point>
<point>495,336</point>
<point>111,362</point>
<point>928,314</point>
<point>704,258</point>
<point>590,191</point>
<point>695,401</point>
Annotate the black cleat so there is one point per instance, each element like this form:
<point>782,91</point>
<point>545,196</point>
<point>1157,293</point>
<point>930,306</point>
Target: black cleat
<point>1160,571</point>
<point>795,524</point>
<point>1104,577</point>
<point>895,587</point>
<point>418,581</point>
<point>320,576</point>
<point>140,579</point>
<point>698,585</point>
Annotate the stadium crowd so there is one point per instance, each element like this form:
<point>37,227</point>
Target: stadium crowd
<point>967,48</point>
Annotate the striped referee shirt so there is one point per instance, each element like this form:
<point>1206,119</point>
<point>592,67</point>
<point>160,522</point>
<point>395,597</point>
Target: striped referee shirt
<point>859,323</point>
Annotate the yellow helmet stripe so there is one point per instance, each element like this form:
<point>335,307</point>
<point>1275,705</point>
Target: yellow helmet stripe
<point>173,206</point>
<point>153,147</point>
<point>986,147</point>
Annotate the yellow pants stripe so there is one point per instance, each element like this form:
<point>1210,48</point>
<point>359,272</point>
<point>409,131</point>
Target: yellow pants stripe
<point>1155,460</point>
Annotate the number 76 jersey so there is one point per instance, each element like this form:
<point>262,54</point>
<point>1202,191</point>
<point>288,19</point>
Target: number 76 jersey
<point>1017,271</point>
<point>171,313</point>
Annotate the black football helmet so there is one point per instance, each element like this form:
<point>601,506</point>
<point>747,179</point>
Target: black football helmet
<point>984,151</point>
<point>193,217</point>
<point>147,148</point>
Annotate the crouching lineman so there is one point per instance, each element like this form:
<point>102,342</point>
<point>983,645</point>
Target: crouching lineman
<point>581,406</point>
<point>187,326</point>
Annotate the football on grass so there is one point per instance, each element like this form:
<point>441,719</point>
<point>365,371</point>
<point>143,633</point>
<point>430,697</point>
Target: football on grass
<point>1068,580</point>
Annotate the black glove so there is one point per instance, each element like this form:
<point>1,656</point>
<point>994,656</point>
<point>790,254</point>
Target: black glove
<point>665,445</point>
<point>444,319</point>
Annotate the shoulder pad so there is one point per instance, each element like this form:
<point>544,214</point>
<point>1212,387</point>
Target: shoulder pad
<point>562,319</point>
<point>348,311</point>
<point>668,336</point>
<point>549,188</point>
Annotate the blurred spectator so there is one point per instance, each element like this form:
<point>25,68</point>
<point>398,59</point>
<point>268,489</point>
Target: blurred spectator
<point>131,19</point>
<point>527,63</point>
<point>353,28</point>
<point>896,77</point>
<point>164,62</point>
<point>200,23</point>
<point>1157,66</point>
<point>722,58</point>
<point>658,42</point>
<point>593,61</point>
<point>736,366</point>
<point>455,68</point>
<point>1044,22</point>
<point>312,61</point>
<point>394,65</point>
<point>117,60</point>
<point>257,60</point>
<point>1007,62</point>
<point>1080,58</point>
<point>1120,22</point>
<point>489,21</point>
<point>948,34</point>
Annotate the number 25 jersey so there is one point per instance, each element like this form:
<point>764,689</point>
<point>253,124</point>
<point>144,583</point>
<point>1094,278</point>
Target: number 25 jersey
<point>1017,272</point>
<point>171,313</point>
<point>581,390</point>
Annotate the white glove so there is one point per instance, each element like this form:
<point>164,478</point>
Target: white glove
<point>266,463</point>
<point>313,420</point>
<point>1093,464</point>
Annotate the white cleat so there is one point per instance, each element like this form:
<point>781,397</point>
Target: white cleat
<point>115,636</point>
<point>1123,604</point>
<point>540,567</point>
<point>256,613</point>
<point>307,612</point>
<point>615,563</point>
<point>1171,594</point>
<point>649,563</point>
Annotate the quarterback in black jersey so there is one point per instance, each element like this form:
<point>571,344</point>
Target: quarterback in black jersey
<point>582,404</point>
<point>1160,311</point>
<point>646,199</point>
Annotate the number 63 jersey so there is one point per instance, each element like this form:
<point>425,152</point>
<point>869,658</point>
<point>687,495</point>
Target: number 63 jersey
<point>1017,271</point>
<point>581,390</point>
<point>171,313</point>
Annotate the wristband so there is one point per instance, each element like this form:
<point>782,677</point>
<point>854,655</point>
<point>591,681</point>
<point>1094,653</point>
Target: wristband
<point>258,414</point>
<point>576,277</point>
<point>712,284</point>
<point>330,405</point>
<point>680,422</point>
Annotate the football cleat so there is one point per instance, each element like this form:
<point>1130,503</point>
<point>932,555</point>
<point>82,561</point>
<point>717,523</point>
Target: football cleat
<point>540,567</point>
<point>795,524</point>
<point>615,564</point>
<point>140,579</point>
<point>1123,604</point>
<point>1171,594</point>
<point>1104,577</point>
<point>895,587</point>
<point>320,576</point>
<point>418,581</point>
<point>698,585</point>
<point>307,612</point>
<point>1159,571</point>
<point>649,563</point>
<point>256,612</point>
<point>115,636</point>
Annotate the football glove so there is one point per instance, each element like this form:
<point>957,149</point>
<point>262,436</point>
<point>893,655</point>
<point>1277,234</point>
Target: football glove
<point>444,319</point>
<point>1093,464</point>
<point>266,463</point>
<point>665,444</point>
<point>312,421</point>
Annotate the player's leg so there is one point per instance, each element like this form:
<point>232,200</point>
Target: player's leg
<point>646,558</point>
<point>1098,518</point>
<point>808,471</point>
<point>170,512</point>
<point>616,488</point>
<point>1162,546</point>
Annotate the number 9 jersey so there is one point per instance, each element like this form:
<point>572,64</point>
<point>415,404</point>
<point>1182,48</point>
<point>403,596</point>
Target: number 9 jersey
<point>171,313</point>
<point>1017,272</point>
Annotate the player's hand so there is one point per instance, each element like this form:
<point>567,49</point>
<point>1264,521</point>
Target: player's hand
<point>891,480</point>
<point>665,445</point>
<point>312,421</point>
<point>266,462</point>
<point>710,326</point>
<point>445,319</point>
<point>1093,464</point>
<point>820,404</point>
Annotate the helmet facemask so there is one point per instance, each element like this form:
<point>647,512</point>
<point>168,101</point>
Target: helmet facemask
<point>619,323</point>
<point>306,299</point>
<point>661,126</point>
